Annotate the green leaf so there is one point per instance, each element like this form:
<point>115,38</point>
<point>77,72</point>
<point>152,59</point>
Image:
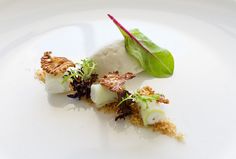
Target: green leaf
<point>155,60</point>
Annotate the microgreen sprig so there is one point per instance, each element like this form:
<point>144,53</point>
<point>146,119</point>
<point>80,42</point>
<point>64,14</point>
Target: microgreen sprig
<point>137,97</point>
<point>87,68</point>
<point>84,69</point>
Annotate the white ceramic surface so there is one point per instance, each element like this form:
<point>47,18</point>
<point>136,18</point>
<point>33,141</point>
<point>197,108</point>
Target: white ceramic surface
<point>200,34</point>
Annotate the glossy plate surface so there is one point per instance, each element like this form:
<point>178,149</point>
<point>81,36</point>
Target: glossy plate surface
<point>200,34</point>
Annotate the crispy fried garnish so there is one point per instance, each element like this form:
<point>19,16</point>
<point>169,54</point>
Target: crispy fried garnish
<point>146,90</point>
<point>40,75</point>
<point>162,99</point>
<point>55,65</point>
<point>115,82</point>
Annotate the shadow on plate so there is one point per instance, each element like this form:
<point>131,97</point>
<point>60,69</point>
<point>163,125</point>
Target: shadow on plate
<point>137,82</point>
<point>62,101</point>
<point>121,126</point>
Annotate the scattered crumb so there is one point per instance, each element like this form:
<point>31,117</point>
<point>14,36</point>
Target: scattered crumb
<point>164,127</point>
<point>162,99</point>
<point>146,90</point>
<point>40,75</point>
<point>135,117</point>
<point>180,137</point>
<point>109,108</point>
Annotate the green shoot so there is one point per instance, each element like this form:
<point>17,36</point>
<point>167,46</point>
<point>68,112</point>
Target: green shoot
<point>87,68</point>
<point>83,69</point>
<point>137,97</point>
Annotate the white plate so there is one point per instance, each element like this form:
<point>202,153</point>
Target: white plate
<point>201,36</point>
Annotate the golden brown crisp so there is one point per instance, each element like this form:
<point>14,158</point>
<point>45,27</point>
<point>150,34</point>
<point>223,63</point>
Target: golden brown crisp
<point>114,81</point>
<point>162,99</point>
<point>146,90</point>
<point>55,65</point>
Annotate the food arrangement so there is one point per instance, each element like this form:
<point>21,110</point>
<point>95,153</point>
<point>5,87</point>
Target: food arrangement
<point>104,84</point>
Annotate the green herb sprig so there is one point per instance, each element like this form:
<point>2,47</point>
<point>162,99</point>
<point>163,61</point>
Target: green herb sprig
<point>83,70</point>
<point>137,97</point>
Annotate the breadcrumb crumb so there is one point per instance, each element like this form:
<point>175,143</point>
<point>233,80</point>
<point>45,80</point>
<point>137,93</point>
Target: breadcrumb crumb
<point>135,117</point>
<point>146,90</point>
<point>109,108</point>
<point>164,127</point>
<point>40,75</point>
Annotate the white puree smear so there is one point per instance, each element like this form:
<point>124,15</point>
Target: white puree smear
<point>115,58</point>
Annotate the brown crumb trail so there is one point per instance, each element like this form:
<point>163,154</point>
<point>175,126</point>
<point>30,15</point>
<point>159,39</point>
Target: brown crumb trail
<point>146,90</point>
<point>109,108</point>
<point>164,127</point>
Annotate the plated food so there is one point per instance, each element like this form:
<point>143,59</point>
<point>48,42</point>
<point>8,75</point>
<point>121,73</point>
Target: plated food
<point>102,79</point>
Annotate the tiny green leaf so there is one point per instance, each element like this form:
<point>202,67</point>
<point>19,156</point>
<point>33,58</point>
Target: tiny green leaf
<point>137,97</point>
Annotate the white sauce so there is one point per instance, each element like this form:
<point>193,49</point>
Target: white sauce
<point>115,58</point>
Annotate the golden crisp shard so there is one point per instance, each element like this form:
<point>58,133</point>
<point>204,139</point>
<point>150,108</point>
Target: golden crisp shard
<point>146,90</point>
<point>55,65</point>
<point>114,81</point>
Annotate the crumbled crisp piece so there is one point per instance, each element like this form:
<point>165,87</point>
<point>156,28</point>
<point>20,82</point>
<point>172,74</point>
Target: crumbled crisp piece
<point>136,120</point>
<point>55,65</point>
<point>162,99</point>
<point>165,127</point>
<point>114,81</point>
<point>40,75</point>
<point>135,117</point>
<point>146,90</point>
